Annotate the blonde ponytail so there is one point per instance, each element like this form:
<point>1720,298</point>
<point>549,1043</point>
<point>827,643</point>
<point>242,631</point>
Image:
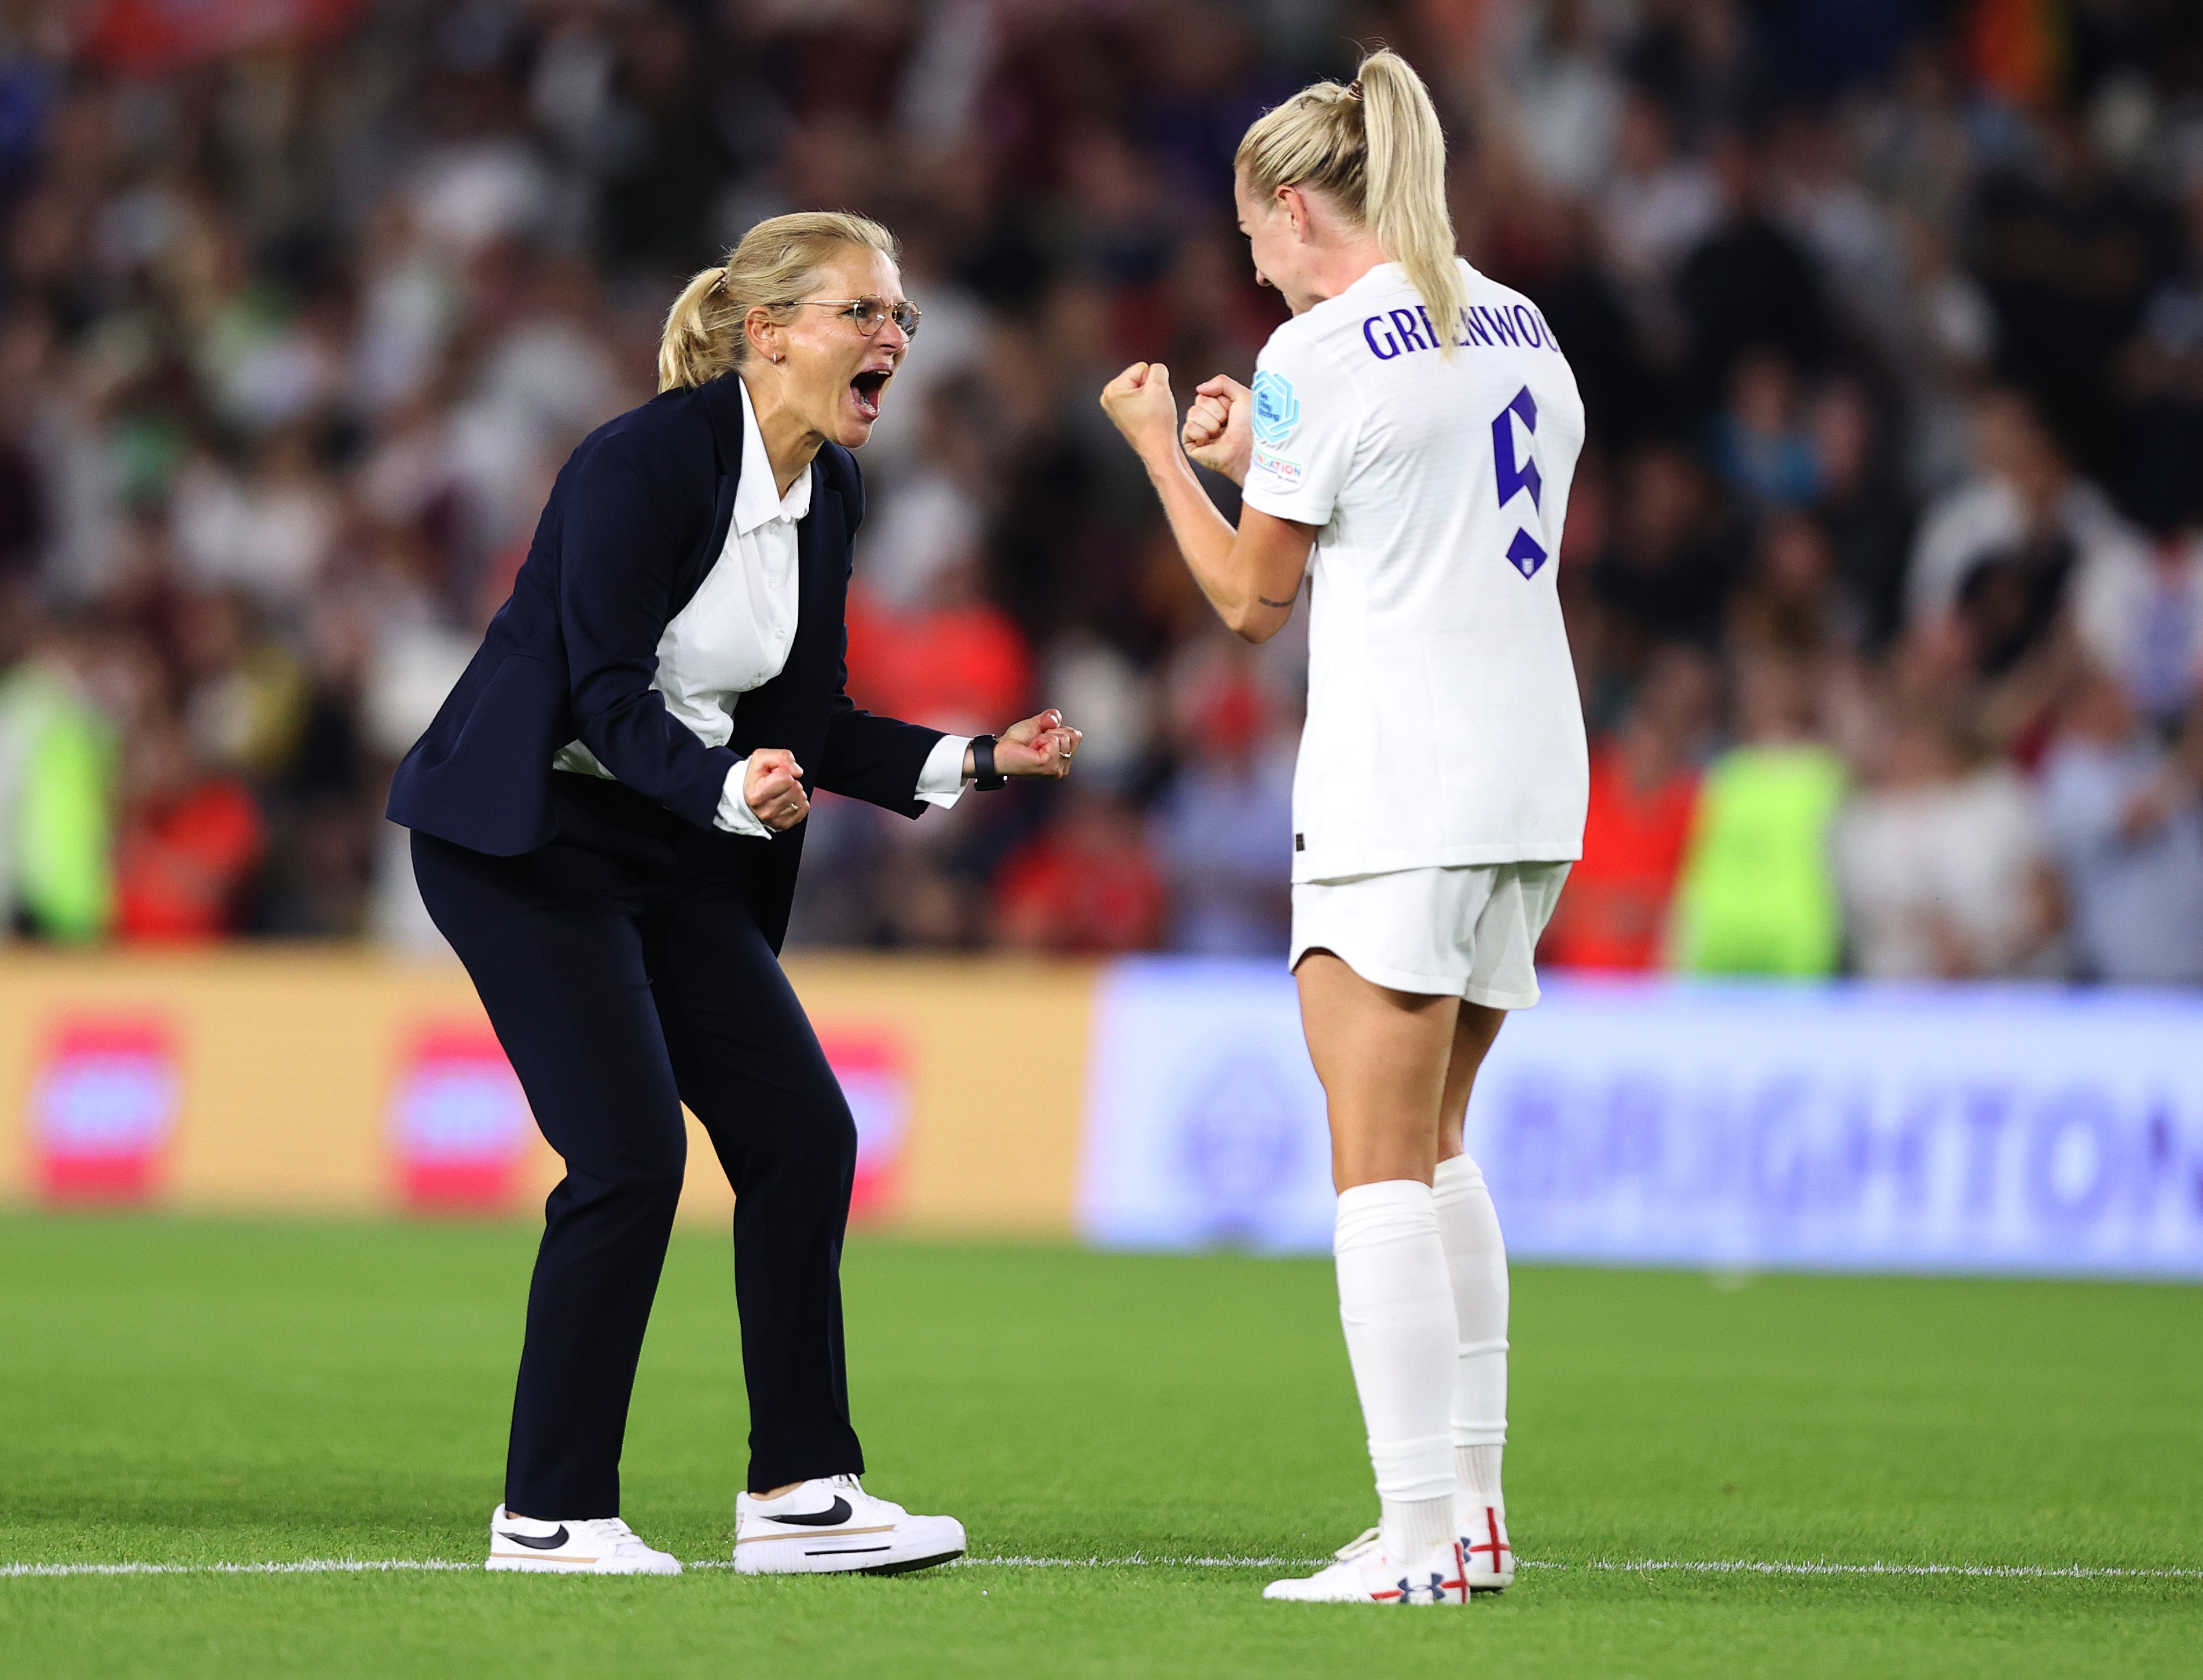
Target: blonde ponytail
<point>771,270</point>
<point>1405,201</point>
<point>1377,149</point>
<point>699,343</point>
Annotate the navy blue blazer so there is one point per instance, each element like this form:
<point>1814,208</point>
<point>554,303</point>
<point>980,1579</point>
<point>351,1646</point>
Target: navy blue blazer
<point>635,522</point>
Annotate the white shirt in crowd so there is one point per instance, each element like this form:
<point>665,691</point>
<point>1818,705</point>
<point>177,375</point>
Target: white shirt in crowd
<point>1986,516</point>
<point>1964,854</point>
<point>1443,726</point>
<point>734,633</point>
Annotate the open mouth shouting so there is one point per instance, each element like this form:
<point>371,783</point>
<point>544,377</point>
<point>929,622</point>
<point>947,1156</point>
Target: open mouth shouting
<point>864,391</point>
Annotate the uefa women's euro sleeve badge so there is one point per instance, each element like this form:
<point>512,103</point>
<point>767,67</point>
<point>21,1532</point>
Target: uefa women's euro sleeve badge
<point>1276,409</point>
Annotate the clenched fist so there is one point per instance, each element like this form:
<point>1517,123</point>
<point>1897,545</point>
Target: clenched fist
<point>1219,433</point>
<point>1140,402</point>
<point>1042,746</point>
<point>773,787</point>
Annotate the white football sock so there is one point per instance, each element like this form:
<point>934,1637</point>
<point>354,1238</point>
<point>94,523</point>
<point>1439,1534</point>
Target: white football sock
<point>1476,1262</point>
<point>1396,1306</point>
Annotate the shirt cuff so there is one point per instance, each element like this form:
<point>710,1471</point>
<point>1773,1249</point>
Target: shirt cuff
<point>734,813</point>
<point>942,782</point>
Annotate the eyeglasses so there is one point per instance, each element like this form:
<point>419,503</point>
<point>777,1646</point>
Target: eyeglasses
<point>869,313</point>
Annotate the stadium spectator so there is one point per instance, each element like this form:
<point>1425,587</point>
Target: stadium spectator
<point>1672,559</point>
<point>246,694</point>
<point>1223,829</point>
<point>2126,818</point>
<point>1943,862</point>
<point>2162,375</point>
<point>2023,512</point>
<point>57,782</point>
<point>1749,285</point>
<point>1863,510</point>
<point>1656,205</point>
<point>1755,895</point>
<point>1786,602</point>
<point>2138,611</point>
<point>1644,790</point>
<point>1759,446</point>
<point>189,838</point>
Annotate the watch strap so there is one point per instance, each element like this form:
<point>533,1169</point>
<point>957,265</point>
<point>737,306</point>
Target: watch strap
<point>985,778</point>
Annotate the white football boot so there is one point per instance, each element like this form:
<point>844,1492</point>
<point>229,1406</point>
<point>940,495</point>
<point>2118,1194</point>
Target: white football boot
<point>1484,1548</point>
<point>830,1525</point>
<point>1364,1574</point>
<point>590,1546</point>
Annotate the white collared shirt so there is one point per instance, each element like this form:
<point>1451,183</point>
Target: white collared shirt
<point>734,633</point>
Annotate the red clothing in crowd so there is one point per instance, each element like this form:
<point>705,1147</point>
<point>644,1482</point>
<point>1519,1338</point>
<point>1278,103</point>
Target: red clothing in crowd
<point>965,669</point>
<point>1614,908</point>
<point>1087,886</point>
<point>180,866</point>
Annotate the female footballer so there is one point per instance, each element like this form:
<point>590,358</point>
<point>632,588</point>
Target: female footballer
<point>1406,446</point>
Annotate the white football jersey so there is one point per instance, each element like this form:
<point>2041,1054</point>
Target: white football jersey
<point>1443,726</point>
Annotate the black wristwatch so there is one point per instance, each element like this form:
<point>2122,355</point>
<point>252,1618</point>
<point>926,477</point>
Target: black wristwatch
<point>984,776</point>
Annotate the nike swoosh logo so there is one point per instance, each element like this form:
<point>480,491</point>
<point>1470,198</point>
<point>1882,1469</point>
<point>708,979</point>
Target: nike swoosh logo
<point>838,1512</point>
<point>535,1542</point>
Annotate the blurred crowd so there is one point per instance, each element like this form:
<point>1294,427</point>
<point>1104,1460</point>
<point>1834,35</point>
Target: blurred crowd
<point>1883,569</point>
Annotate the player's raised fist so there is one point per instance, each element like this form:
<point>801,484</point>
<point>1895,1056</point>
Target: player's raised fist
<point>1139,401</point>
<point>1218,434</point>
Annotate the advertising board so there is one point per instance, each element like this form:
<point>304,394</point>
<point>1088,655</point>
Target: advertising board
<point>297,1081</point>
<point>460,1129</point>
<point>102,1107</point>
<point>1978,1129</point>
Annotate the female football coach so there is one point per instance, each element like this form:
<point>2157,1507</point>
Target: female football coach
<point>1417,424</point>
<point>607,816</point>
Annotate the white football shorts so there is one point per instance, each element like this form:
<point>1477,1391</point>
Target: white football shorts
<point>1469,932</point>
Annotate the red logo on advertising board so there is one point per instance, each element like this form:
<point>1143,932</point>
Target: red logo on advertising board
<point>875,1079</point>
<point>104,1108</point>
<point>459,1125</point>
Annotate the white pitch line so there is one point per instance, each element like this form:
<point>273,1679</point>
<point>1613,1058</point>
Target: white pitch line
<point>1649,1565</point>
<point>1140,1560</point>
<point>300,1566</point>
<point>1971,1572</point>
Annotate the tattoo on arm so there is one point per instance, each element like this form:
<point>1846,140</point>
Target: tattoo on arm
<point>1267,602</point>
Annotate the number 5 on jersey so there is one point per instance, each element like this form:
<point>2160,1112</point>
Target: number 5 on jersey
<point>1525,553</point>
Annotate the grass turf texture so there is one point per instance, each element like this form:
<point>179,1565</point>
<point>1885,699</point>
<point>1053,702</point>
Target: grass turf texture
<point>192,1393</point>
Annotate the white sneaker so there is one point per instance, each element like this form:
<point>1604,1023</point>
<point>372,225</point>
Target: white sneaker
<point>589,1546</point>
<point>1365,1575</point>
<point>831,1524</point>
<point>1484,1548</point>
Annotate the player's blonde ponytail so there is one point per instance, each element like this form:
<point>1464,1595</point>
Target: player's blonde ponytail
<point>770,269</point>
<point>1406,202</point>
<point>1376,148</point>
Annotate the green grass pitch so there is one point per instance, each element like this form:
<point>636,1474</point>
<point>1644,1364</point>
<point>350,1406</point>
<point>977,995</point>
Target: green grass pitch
<point>193,1393</point>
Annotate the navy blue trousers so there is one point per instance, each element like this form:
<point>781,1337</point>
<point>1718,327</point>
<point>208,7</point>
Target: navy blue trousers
<point>625,977</point>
